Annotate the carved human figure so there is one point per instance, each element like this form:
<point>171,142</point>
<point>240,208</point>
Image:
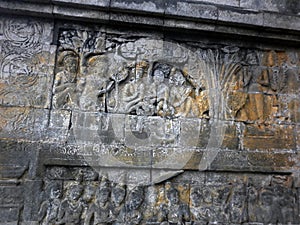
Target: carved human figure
<point>99,211</point>
<point>118,194</point>
<point>160,73</point>
<point>285,205</point>
<point>178,213</point>
<point>219,209</point>
<point>87,198</point>
<point>65,84</point>
<point>237,205</point>
<point>114,100</point>
<point>134,91</point>
<point>199,211</point>
<point>179,94</point>
<point>151,210</point>
<point>71,207</point>
<point>252,203</point>
<point>265,208</point>
<point>48,212</point>
<point>131,214</point>
<point>256,82</point>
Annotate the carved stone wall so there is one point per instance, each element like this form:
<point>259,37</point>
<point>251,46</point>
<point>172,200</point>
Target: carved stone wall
<point>103,123</point>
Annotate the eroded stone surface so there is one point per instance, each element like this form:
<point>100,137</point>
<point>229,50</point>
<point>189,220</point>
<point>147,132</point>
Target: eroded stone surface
<point>99,125</point>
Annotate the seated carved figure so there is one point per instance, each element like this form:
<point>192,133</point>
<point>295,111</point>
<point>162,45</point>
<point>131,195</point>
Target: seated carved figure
<point>134,91</point>
<point>71,207</point>
<point>179,96</point>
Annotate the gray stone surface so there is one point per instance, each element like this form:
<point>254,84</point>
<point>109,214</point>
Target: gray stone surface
<point>153,6</point>
<point>238,15</point>
<point>192,10</point>
<point>126,112</point>
<point>90,3</point>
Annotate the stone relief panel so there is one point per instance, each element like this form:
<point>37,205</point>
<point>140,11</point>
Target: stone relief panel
<point>253,199</point>
<point>130,116</point>
<point>26,60</point>
<point>142,102</point>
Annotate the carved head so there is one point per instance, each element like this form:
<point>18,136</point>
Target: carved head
<point>75,192</point>
<point>158,76</point>
<point>103,192</point>
<point>173,196</point>
<point>177,77</point>
<point>55,191</point>
<point>141,68</point>
<point>266,197</point>
<point>118,194</point>
<point>196,196</point>
<point>89,192</point>
<point>69,61</point>
<point>135,198</point>
<point>152,195</point>
<point>161,71</point>
<point>252,194</point>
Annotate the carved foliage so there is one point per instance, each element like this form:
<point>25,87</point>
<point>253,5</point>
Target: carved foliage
<point>24,63</point>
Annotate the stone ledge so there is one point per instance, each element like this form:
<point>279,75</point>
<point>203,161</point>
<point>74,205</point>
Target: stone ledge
<point>227,19</point>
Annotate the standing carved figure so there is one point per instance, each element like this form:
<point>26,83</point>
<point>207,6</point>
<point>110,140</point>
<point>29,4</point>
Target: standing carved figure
<point>178,213</point>
<point>266,206</point>
<point>65,84</point>
<point>48,212</point>
<point>118,194</point>
<point>87,198</point>
<point>71,207</point>
<point>131,214</point>
<point>160,73</point>
<point>99,212</point>
<point>200,213</point>
<point>151,210</point>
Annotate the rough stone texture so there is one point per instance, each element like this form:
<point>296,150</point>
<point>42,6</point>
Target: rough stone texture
<point>153,123</point>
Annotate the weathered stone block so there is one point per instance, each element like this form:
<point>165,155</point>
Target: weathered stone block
<point>176,23</point>
<point>281,21</point>
<point>190,132</point>
<point>230,160</point>
<point>27,62</point>
<point>194,162</point>
<point>269,162</point>
<point>93,3</point>
<point>270,137</point>
<point>136,132</point>
<point>24,123</point>
<point>136,19</point>
<point>58,127</point>
<point>153,6</point>
<point>242,17</point>
<point>194,10</point>
<point>257,107</point>
<point>298,136</point>
<point>223,2</point>
<point>85,14</point>
<point>33,9</point>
